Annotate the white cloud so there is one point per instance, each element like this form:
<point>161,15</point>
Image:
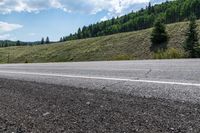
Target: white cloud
<point>104,18</point>
<point>7,27</point>
<point>4,36</point>
<point>115,7</point>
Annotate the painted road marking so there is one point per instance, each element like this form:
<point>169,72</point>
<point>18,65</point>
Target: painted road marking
<point>102,78</point>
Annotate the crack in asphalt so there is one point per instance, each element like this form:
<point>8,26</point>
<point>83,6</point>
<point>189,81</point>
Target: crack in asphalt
<point>147,73</point>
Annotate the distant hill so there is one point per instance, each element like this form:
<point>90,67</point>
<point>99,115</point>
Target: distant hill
<point>8,43</point>
<point>170,11</point>
<point>123,46</point>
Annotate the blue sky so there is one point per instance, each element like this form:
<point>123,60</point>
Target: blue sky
<point>30,20</point>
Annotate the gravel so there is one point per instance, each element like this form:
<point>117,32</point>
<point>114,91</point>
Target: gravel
<point>37,107</point>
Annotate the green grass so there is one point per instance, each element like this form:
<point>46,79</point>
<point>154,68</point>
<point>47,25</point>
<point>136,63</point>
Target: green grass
<point>123,46</point>
<point>170,53</point>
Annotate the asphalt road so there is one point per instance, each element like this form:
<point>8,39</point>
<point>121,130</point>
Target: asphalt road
<point>122,96</point>
<point>170,79</point>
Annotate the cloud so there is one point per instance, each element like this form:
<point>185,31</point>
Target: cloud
<point>104,18</point>
<point>4,36</point>
<point>7,27</point>
<point>112,8</point>
<point>86,6</point>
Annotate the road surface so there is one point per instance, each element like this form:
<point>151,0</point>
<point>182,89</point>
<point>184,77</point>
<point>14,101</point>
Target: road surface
<point>116,96</point>
<point>171,79</point>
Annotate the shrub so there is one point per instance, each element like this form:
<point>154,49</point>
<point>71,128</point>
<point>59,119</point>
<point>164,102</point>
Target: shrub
<point>170,53</point>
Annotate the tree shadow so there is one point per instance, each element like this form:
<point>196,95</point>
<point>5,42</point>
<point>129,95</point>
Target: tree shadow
<point>158,47</point>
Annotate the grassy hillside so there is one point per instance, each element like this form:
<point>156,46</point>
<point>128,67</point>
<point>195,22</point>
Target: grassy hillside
<point>123,46</point>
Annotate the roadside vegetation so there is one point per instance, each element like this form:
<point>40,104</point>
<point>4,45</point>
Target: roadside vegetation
<point>160,37</point>
<point>170,53</point>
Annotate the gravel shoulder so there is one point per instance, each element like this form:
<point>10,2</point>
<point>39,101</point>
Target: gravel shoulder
<point>36,107</point>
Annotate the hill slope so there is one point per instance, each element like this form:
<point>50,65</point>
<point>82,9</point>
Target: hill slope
<point>130,45</point>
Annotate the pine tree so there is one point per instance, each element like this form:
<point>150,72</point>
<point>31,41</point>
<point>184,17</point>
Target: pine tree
<point>192,42</point>
<point>149,8</point>
<point>6,43</point>
<point>61,39</point>
<point>64,39</point>
<point>42,41</point>
<point>18,43</point>
<point>47,40</point>
<point>159,35</point>
<point>79,33</point>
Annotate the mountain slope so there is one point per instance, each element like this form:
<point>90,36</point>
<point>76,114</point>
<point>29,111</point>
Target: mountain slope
<point>130,45</point>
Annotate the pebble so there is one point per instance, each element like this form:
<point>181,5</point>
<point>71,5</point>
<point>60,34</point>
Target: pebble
<point>88,103</point>
<point>45,114</point>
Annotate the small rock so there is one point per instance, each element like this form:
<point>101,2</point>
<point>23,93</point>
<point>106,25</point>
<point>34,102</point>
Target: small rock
<point>45,114</point>
<point>88,103</point>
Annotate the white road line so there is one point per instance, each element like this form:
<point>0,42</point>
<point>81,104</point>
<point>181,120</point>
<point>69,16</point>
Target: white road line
<point>102,78</point>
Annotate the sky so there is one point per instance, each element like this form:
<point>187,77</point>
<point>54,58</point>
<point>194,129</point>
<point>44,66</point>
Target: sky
<point>30,20</point>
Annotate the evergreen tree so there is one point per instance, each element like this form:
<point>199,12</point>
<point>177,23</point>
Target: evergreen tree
<point>47,40</point>
<point>79,34</point>
<point>159,35</point>
<point>18,43</point>
<point>6,44</point>
<point>192,42</point>
<point>61,39</point>
<point>64,39</point>
<point>149,8</point>
<point>42,41</point>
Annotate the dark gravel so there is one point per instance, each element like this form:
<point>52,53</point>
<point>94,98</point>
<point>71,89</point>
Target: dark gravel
<point>35,107</point>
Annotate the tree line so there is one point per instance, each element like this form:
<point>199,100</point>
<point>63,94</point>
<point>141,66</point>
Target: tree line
<point>171,11</point>
<point>8,43</point>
